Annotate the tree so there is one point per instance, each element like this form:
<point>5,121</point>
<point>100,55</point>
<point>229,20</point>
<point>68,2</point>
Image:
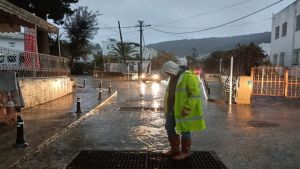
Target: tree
<point>161,58</point>
<point>64,46</point>
<point>81,28</point>
<point>245,57</point>
<point>128,50</point>
<point>46,9</point>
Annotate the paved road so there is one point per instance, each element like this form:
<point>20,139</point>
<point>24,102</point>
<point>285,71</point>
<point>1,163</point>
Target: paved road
<point>263,135</point>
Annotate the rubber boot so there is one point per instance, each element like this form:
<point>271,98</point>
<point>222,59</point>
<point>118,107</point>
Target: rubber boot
<point>174,143</point>
<point>185,149</point>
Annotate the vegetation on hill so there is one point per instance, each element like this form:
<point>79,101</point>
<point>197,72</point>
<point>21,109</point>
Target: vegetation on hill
<point>208,45</point>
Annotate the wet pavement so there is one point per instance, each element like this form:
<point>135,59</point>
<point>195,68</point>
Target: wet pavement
<point>47,120</point>
<point>263,135</point>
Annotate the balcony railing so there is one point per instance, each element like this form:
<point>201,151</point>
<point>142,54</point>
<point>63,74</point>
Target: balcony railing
<point>28,64</point>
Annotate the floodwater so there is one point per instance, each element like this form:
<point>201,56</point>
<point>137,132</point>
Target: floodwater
<point>262,135</point>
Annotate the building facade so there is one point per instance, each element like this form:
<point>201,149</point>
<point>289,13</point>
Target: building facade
<point>12,41</point>
<point>285,42</point>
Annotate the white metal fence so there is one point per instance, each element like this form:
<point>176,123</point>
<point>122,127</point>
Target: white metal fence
<point>28,64</point>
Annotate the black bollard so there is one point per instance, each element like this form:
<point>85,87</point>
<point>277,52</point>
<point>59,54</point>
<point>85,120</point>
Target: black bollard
<point>109,88</point>
<point>20,141</point>
<point>100,94</point>
<point>100,85</point>
<point>78,111</point>
<point>84,82</point>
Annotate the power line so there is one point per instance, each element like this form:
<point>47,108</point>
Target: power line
<point>227,23</point>
<point>118,27</point>
<point>109,27</point>
<point>179,36</point>
<point>176,27</point>
<point>204,13</point>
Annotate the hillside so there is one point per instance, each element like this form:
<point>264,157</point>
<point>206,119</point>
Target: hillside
<point>208,45</point>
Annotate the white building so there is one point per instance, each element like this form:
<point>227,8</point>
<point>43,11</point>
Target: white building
<point>12,41</point>
<point>148,53</point>
<point>285,42</point>
<point>266,48</point>
<point>181,60</point>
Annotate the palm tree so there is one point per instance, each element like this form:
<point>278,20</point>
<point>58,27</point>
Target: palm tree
<point>128,50</point>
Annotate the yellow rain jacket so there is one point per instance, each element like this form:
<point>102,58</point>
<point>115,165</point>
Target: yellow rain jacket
<point>188,97</point>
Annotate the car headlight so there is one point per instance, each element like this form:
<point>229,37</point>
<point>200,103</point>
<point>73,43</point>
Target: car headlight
<point>155,76</point>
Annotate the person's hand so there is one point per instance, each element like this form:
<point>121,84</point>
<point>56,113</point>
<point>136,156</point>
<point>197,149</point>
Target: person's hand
<point>185,112</point>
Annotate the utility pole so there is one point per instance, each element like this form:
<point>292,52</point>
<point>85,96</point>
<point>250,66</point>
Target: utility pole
<point>220,69</point>
<point>141,25</point>
<point>230,81</point>
<point>122,44</point>
<point>141,47</point>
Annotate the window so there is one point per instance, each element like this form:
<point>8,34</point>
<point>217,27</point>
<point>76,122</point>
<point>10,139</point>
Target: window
<point>297,56</point>
<point>284,29</point>
<point>282,58</point>
<point>275,59</point>
<point>277,29</point>
<point>298,23</point>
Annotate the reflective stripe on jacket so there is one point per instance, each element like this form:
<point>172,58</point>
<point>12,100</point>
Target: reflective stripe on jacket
<point>187,96</point>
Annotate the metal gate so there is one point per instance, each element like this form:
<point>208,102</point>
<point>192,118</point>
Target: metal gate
<point>276,81</point>
<point>293,82</point>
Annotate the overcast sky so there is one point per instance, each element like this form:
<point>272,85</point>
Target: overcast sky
<point>181,16</point>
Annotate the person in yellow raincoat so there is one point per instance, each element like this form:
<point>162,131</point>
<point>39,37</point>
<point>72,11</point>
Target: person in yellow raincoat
<point>183,109</point>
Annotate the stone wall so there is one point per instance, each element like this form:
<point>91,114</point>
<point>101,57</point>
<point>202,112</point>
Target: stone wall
<point>41,90</point>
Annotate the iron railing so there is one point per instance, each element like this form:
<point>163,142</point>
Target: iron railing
<point>276,81</point>
<point>28,64</point>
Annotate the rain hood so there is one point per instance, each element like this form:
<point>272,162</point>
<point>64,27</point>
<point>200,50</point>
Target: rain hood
<point>170,67</point>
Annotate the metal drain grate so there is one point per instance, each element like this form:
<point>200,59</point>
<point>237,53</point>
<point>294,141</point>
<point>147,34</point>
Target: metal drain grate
<point>262,124</point>
<point>159,109</point>
<point>88,159</point>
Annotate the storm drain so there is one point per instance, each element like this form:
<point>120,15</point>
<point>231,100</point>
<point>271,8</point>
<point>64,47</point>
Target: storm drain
<point>88,159</point>
<point>262,124</point>
<point>140,108</point>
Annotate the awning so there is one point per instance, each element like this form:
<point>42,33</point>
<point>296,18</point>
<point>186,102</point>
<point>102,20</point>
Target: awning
<point>12,17</point>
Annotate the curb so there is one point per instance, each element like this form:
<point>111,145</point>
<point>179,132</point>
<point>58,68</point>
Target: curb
<point>47,142</point>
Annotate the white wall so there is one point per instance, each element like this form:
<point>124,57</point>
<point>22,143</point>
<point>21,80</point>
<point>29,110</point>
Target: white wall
<point>285,44</point>
<point>12,41</point>
<point>41,90</point>
<point>17,44</point>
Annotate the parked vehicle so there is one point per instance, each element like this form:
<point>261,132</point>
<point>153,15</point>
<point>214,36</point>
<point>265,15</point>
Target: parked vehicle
<point>150,77</point>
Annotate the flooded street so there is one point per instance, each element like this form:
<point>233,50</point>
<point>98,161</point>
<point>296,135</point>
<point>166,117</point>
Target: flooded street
<point>260,136</point>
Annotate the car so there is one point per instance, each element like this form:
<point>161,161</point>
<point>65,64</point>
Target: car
<point>150,77</point>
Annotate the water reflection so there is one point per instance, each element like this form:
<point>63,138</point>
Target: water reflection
<point>155,89</point>
<point>142,89</point>
<point>150,132</point>
<point>155,104</point>
<point>240,115</point>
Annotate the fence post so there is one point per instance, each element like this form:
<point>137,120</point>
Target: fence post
<point>252,73</point>
<point>34,64</point>
<point>286,84</point>
<point>262,80</point>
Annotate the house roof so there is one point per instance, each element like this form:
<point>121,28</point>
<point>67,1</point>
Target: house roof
<point>12,17</point>
<point>12,36</point>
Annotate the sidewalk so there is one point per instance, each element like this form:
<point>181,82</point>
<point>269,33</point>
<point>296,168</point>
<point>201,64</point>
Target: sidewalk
<point>43,122</point>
